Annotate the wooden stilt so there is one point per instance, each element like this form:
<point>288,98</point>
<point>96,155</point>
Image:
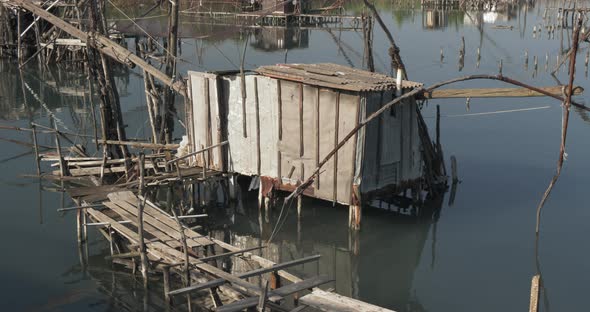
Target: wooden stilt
<point>79,227</point>
<point>454,169</point>
<point>354,217</point>
<point>62,165</point>
<point>299,206</point>
<point>534,303</point>
<point>166,281</point>
<point>140,205</point>
<point>36,148</point>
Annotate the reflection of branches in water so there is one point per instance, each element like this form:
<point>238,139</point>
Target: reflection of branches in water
<point>338,43</point>
<point>542,287</point>
<point>583,114</point>
<point>488,38</point>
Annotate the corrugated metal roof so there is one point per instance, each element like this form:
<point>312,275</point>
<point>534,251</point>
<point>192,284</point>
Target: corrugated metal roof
<point>334,76</point>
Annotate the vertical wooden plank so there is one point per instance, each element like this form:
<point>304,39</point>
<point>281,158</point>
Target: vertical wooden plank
<point>354,144</point>
<point>243,88</point>
<point>279,173</point>
<point>336,125</point>
<point>257,107</point>
<point>188,110</point>
<point>380,140</point>
<point>207,99</point>
<point>317,137</point>
<point>301,149</point>
<point>280,110</point>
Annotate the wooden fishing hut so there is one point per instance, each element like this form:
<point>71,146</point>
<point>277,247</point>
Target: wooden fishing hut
<point>280,121</point>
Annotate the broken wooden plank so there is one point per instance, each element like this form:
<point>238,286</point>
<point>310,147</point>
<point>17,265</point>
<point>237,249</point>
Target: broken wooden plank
<point>493,92</point>
<point>224,255</point>
<point>221,281</point>
<point>277,294</point>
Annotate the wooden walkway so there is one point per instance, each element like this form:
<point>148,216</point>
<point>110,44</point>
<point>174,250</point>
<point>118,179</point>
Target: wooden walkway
<point>163,241</point>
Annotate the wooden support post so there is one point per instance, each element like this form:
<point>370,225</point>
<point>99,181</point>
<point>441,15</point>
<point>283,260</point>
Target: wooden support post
<point>85,233</point>
<point>36,149</point>
<point>233,187</point>
<point>262,299</point>
<point>187,275</point>
<point>111,243</point>
<point>166,281</point>
<point>299,206</point>
<point>354,216</point>
<point>79,227</point>
<point>62,165</point>
<point>141,203</point>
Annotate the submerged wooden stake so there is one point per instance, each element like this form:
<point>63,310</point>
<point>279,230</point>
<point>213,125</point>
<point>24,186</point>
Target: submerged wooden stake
<point>62,165</point>
<point>36,148</point>
<point>534,303</point>
<point>142,247</point>
<point>166,281</point>
<point>454,169</point>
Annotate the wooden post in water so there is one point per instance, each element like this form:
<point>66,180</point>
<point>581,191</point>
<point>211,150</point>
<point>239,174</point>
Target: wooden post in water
<point>187,275</point>
<point>36,149</point>
<point>299,206</point>
<point>454,169</point>
<point>79,227</point>
<point>166,281</point>
<point>534,303</point>
<point>142,248</point>
<point>62,165</point>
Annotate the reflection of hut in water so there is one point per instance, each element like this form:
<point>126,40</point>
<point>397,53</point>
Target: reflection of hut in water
<point>434,19</point>
<point>277,6</point>
<point>279,38</point>
<point>355,262</point>
<point>295,115</point>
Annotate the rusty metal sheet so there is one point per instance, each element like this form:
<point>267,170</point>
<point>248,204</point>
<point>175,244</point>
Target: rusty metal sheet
<point>334,76</point>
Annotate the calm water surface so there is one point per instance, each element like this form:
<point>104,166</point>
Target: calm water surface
<point>474,255</point>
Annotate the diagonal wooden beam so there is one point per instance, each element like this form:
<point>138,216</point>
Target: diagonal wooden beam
<point>221,281</point>
<point>103,44</point>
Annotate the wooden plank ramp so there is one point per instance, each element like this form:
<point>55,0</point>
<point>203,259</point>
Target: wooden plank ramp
<point>163,242</point>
